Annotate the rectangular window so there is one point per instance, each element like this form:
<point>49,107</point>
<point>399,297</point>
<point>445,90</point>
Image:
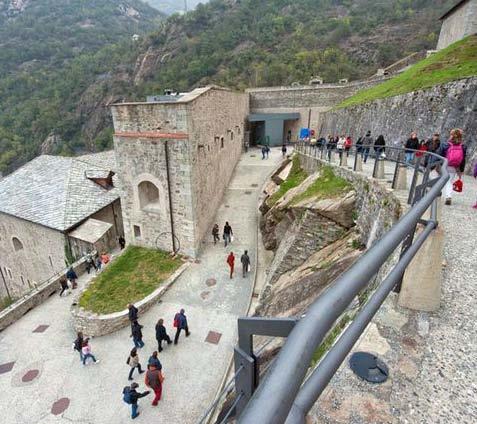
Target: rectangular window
<point>137,231</point>
<point>221,142</point>
<point>21,278</point>
<point>10,273</point>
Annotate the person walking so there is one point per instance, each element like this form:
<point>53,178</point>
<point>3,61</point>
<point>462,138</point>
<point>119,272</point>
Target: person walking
<point>245,259</point>
<point>215,233</point>
<point>161,334</point>
<point>133,313</point>
<point>454,151</point>
<point>86,350</point>
<point>348,145</point>
<point>410,145</point>
<point>133,362</point>
<point>71,275</point>
<point>64,285</point>
<point>136,333</point>
<point>99,264</point>
<point>379,146</point>
<point>433,146</point>
<point>131,396</point>
<point>264,152</point>
<point>267,151</point>
<point>105,258</point>
<point>78,344</point>
<point>228,233</point>
<point>231,263</point>
<point>122,242</point>
<point>367,143</point>
<point>180,323</point>
<point>359,145</point>
<point>90,263</point>
<point>154,380</point>
<point>284,150</point>
<point>340,145</point>
<point>154,360</point>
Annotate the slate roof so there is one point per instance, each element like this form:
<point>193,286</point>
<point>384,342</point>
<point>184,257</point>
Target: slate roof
<point>53,190</point>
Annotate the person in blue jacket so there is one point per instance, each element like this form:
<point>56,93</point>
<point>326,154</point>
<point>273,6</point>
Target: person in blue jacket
<point>180,322</point>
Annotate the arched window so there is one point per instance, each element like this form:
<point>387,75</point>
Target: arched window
<point>17,244</point>
<point>148,195</point>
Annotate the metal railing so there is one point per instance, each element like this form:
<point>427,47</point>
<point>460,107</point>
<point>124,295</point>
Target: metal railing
<point>283,396</point>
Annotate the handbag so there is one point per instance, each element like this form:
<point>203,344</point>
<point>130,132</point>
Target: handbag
<point>231,238</point>
<point>248,268</point>
<point>458,186</point>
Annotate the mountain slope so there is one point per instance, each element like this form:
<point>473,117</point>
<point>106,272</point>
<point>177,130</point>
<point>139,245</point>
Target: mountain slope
<point>173,6</point>
<point>237,43</point>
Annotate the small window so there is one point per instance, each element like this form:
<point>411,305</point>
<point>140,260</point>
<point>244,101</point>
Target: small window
<point>231,135</point>
<point>17,244</point>
<point>23,280</point>
<point>137,231</point>
<point>51,262</point>
<point>221,142</point>
<point>216,140</point>
<point>10,273</point>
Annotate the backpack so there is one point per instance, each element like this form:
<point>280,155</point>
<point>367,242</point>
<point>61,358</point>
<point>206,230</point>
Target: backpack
<point>455,155</point>
<point>127,395</point>
<point>77,345</point>
<point>176,321</point>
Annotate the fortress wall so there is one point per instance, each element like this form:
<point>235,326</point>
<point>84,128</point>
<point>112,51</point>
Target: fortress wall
<point>461,23</point>
<point>216,115</point>
<point>437,109</point>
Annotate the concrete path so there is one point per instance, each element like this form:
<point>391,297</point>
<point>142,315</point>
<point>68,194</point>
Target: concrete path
<point>193,369</point>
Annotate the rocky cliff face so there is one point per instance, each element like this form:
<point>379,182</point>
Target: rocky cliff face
<point>437,109</point>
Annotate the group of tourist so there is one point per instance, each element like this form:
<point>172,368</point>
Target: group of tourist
<point>154,377</point>
<point>228,235</point>
<point>454,150</point>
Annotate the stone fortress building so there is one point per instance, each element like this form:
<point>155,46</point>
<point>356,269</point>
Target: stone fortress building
<point>459,22</point>
<point>51,209</point>
<point>175,158</point>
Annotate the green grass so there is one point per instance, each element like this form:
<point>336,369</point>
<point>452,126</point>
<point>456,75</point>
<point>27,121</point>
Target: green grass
<point>457,61</point>
<point>5,303</point>
<point>329,340</point>
<point>296,176</point>
<point>131,277</point>
<point>326,186</point>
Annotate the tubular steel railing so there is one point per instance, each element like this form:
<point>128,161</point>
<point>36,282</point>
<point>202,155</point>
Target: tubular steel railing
<point>283,396</point>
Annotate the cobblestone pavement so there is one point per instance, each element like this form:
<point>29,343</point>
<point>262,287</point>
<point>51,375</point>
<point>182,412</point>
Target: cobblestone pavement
<point>431,356</point>
<point>193,369</point>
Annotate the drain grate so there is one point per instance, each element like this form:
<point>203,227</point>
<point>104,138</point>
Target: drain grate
<point>254,185</point>
<point>369,367</point>
<point>248,192</point>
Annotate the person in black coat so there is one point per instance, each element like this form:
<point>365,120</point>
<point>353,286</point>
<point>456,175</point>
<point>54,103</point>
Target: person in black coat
<point>161,334</point>
<point>133,397</point>
<point>133,312</point>
<point>379,145</point>
<point>136,333</point>
<point>411,144</point>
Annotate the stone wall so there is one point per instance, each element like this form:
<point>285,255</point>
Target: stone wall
<point>461,23</point>
<point>437,109</point>
<point>42,255</point>
<point>216,130</point>
<point>113,215</point>
<point>36,296</point>
<point>302,99</point>
<point>93,325</point>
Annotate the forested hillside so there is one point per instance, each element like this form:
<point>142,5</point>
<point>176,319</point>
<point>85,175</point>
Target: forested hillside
<point>237,43</point>
<point>173,6</point>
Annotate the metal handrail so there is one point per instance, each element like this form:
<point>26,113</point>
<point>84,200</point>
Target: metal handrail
<point>281,397</point>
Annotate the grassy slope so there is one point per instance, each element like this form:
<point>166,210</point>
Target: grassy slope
<point>296,176</point>
<point>457,61</point>
<point>131,277</point>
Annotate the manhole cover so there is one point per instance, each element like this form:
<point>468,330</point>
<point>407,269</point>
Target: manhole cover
<point>248,192</point>
<point>254,185</point>
<point>197,261</point>
<point>253,156</point>
<point>227,206</point>
<point>213,337</point>
<point>40,328</point>
<point>204,295</point>
<point>30,376</point>
<point>6,367</point>
<point>211,282</point>
<point>60,406</point>
<point>369,367</point>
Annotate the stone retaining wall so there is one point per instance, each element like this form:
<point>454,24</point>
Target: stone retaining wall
<point>37,296</point>
<point>92,324</point>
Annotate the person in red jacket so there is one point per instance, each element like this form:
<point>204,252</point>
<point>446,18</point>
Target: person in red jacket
<point>154,380</point>
<point>231,262</point>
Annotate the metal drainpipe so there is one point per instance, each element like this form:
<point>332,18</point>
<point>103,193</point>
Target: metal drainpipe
<point>5,284</point>
<point>166,151</point>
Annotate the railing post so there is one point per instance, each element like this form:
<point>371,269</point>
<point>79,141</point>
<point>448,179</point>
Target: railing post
<point>413,184</point>
<point>245,379</point>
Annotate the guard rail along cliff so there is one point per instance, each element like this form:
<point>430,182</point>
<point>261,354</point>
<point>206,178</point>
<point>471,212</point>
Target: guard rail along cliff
<point>284,396</point>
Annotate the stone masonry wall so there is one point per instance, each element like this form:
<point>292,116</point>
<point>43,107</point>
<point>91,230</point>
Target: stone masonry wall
<point>216,131</point>
<point>437,109</point>
<point>461,23</point>
<point>43,254</point>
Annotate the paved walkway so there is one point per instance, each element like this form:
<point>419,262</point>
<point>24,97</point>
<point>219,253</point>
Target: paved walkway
<point>432,356</point>
<point>193,369</point>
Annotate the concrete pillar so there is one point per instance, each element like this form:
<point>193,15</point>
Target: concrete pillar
<point>359,163</point>
<point>401,178</point>
<point>343,161</point>
<point>380,170</point>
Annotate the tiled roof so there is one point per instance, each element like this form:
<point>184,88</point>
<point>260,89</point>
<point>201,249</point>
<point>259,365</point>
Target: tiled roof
<point>53,190</point>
